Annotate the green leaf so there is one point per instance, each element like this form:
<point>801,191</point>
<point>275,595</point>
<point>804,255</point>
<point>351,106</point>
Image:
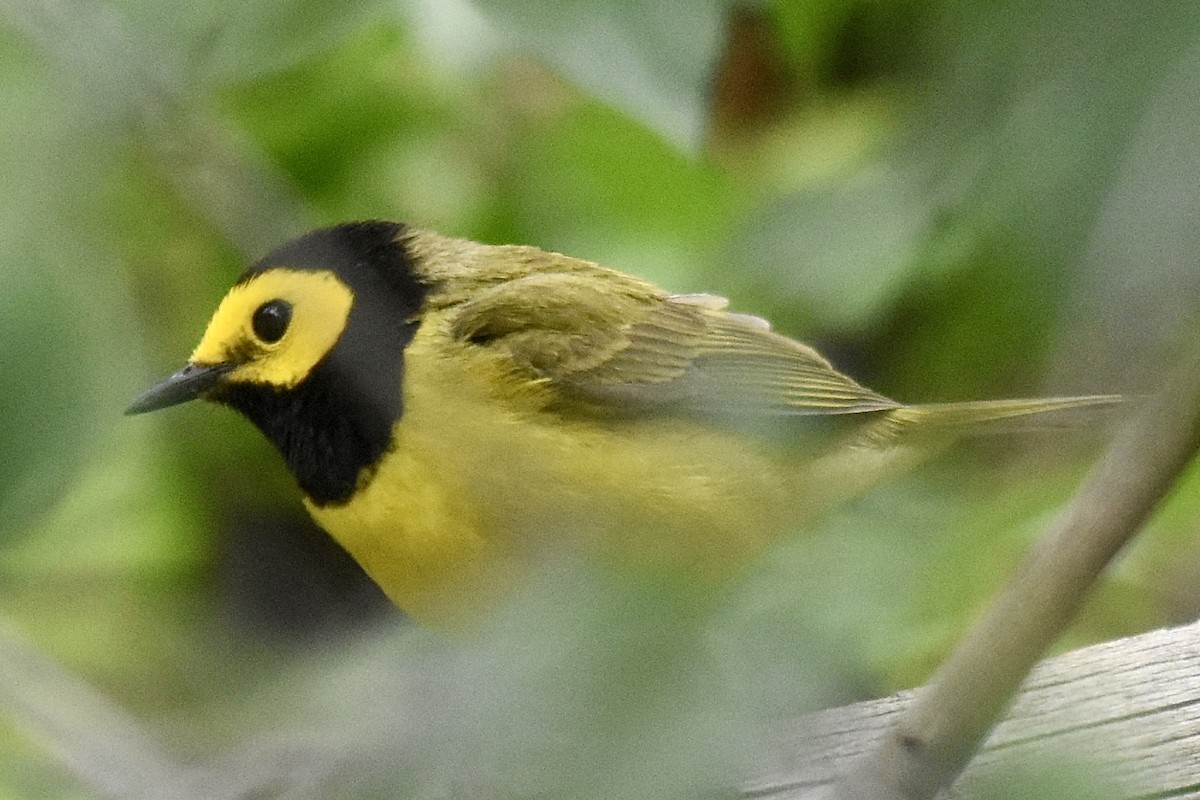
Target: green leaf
<point>652,60</point>
<point>843,251</point>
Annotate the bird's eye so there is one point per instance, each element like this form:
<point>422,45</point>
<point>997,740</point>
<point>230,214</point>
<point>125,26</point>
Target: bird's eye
<point>271,320</point>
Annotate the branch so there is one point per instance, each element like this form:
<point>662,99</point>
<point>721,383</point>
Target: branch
<point>940,730</point>
<point>1129,704</point>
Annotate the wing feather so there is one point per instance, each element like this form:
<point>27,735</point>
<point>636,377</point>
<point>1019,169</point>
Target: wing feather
<point>626,347</point>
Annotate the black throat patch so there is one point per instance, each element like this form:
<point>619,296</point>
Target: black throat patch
<point>334,426</point>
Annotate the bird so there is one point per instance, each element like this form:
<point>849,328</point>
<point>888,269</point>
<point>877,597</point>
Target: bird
<point>451,411</point>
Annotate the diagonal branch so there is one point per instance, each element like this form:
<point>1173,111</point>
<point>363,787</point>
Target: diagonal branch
<point>939,732</point>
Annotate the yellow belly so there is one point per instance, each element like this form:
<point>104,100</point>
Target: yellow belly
<point>424,544</point>
<point>475,488</point>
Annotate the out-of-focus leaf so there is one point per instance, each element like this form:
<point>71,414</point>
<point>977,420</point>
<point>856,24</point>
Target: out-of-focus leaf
<point>972,325</point>
<point>808,30</point>
<point>47,411</point>
<point>111,753</point>
<point>843,251</point>
<point>650,59</point>
<point>1029,127</point>
<point>616,683</point>
<point>230,41</point>
<point>454,33</point>
<point>54,378</point>
<point>119,85</point>
<point>108,750</point>
<point>91,50</point>
<point>650,211</point>
<point>1137,283</point>
<point>377,146</point>
<point>129,44</point>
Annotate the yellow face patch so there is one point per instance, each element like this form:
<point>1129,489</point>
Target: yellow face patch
<point>319,306</point>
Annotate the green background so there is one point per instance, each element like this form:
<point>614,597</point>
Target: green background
<point>953,200</point>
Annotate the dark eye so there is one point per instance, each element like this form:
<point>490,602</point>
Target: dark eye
<point>271,320</point>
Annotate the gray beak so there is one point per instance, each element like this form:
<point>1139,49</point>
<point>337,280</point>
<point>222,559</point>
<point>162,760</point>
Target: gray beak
<point>187,384</point>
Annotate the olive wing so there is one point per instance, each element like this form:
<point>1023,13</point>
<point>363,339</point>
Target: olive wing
<point>624,347</point>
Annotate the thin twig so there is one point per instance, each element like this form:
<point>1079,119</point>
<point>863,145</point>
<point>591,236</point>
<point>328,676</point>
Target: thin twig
<point>940,731</point>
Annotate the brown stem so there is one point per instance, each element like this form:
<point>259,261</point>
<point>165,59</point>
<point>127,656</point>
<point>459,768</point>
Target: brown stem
<point>940,731</point>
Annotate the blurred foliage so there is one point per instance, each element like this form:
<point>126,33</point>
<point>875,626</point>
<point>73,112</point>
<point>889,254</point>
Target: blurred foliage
<point>951,199</point>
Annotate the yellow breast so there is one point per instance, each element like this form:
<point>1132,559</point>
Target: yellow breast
<point>479,483</point>
<point>422,541</point>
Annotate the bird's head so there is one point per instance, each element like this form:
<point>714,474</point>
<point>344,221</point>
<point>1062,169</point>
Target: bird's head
<point>309,345</point>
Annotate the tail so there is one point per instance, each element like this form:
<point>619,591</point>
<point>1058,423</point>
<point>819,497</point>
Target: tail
<point>902,437</point>
<point>982,417</point>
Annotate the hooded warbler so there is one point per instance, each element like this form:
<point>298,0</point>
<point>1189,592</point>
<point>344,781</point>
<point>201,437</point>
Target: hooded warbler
<point>449,409</point>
